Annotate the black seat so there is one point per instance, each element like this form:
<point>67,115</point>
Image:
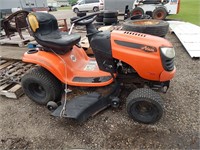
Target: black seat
<point>46,33</point>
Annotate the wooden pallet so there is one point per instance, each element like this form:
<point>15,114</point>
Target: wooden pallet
<point>11,90</point>
<point>16,40</point>
<point>11,72</point>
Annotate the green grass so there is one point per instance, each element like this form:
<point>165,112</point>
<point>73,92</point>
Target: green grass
<point>65,8</point>
<point>189,12</point>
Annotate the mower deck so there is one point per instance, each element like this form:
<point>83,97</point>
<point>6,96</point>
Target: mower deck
<point>82,107</point>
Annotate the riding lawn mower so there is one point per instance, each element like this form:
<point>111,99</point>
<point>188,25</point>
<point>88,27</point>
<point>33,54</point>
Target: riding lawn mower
<point>142,61</point>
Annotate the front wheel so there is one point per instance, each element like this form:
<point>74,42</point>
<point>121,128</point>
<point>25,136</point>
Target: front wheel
<point>144,106</point>
<point>159,13</point>
<point>137,11</point>
<point>76,10</point>
<point>95,9</point>
<point>41,86</point>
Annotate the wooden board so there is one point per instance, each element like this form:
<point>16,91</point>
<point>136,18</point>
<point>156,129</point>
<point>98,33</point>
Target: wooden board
<point>11,72</point>
<point>16,40</point>
<point>189,36</point>
<point>11,90</point>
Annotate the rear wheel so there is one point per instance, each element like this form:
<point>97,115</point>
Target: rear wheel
<point>159,13</point>
<point>137,11</point>
<point>144,106</point>
<point>41,86</point>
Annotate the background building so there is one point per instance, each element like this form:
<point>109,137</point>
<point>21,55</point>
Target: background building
<point>6,6</point>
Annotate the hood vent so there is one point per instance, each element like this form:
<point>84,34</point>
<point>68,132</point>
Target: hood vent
<point>135,33</point>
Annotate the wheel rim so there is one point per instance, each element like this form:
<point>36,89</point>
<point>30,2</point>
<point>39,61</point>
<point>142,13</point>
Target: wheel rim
<point>144,111</point>
<point>37,90</point>
<point>95,9</point>
<point>75,10</point>
<point>137,12</point>
<point>160,15</point>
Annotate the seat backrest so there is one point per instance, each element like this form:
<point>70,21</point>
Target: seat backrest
<point>42,23</point>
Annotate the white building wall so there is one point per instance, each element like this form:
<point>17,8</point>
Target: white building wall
<point>8,4</point>
<point>118,5</point>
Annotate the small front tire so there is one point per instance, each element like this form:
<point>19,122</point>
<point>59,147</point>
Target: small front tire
<point>51,105</point>
<point>144,106</point>
<point>115,102</point>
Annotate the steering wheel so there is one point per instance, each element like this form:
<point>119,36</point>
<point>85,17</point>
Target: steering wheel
<point>85,20</point>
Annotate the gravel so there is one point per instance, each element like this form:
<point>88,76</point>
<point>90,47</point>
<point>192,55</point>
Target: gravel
<point>26,125</point>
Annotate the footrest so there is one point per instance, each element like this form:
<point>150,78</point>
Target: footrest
<point>82,107</point>
<point>79,105</point>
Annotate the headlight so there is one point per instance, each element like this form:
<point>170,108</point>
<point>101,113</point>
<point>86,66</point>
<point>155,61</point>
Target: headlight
<point>168,52</point>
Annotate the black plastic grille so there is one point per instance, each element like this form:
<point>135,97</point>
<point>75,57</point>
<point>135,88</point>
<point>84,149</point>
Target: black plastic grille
<point>168,63</point>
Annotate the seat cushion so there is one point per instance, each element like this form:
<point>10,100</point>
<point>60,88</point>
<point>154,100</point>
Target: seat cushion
<point>46,33</point>
<point>58,41</point>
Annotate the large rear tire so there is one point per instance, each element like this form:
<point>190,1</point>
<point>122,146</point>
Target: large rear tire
<point>41,86</point>
<point>148,26</point>
<point>110,14</point>
<point>109,21</point>
<point>144,106</point>
<point>99,17</point>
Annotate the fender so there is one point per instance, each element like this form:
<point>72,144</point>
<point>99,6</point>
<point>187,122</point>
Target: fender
<point>49,61</point>
<point>70,67</point>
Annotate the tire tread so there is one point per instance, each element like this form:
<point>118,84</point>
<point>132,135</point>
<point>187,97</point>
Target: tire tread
<point>143,93</point>
<point>160,29</point>
<point>48,79</point>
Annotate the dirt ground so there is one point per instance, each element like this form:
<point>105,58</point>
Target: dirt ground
<point>26,125</point>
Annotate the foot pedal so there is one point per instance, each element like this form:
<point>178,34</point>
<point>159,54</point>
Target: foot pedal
<point>82,107</point>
